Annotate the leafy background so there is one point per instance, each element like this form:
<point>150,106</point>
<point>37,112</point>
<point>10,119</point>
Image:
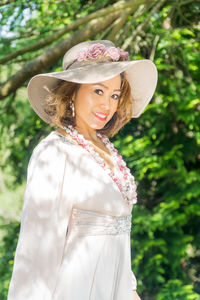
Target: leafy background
<point>162,147</point>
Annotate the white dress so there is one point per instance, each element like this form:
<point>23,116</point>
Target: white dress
<point>74,241</point>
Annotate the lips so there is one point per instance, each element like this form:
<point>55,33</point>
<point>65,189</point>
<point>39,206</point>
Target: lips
<point>101,116</point>
<point>101,113</point>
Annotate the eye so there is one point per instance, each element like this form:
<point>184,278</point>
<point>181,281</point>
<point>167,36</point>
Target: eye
<point>100,92</point>
<point>118,96</point>
<point>97,91</point>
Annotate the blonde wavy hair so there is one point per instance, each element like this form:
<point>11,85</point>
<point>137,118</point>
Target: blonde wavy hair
<point>59,106</point>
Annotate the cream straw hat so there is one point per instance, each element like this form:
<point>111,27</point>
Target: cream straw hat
<point>92,62</point>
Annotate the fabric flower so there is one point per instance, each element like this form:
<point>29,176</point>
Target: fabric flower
<point>99,51</point>
<point>96,50</point>
<point>113,53</point>
<point>123,54</point>
<point>82,54</point>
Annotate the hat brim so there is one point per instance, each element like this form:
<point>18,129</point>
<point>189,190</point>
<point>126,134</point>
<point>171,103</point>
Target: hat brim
<point>141,74</point>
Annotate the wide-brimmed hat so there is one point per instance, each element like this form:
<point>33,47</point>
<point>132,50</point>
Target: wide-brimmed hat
<point>92,62</point>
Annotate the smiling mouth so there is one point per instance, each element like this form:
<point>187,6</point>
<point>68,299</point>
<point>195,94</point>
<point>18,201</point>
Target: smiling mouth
<point>100,117</point>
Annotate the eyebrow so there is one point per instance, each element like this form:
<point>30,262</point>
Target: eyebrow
<point>105,86</point>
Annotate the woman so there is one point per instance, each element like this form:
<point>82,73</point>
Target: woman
<point>74,240</point>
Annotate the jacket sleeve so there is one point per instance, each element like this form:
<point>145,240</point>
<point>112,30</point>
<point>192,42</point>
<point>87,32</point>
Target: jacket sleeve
<point>44,223</point>
<point>134,281</point>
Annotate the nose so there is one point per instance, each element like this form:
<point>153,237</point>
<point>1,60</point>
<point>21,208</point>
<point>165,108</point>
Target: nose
<point>105,102</point>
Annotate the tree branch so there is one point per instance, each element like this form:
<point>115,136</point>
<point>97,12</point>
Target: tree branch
<point>50,56</point>
<point>142,9</point>
<point>49,39</point>
<point>8,40</point>
<point>5,2</point>
<point>153,50</point>
<point>143,24</point>
<point>118,24</point>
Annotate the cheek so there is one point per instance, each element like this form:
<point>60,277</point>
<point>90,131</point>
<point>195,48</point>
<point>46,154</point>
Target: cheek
<point>84,103</point>
<point>115,106</point>
<point>90,101</point>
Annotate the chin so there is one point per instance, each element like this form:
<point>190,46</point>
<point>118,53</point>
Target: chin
<point>96,126</point>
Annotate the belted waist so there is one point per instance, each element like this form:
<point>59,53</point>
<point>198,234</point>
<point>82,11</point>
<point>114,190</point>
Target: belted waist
<point>86,222</point>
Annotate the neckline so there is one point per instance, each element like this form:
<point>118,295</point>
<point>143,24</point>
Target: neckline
<point>121,189</point>
<point>60,134</point>
<point>114,170</point>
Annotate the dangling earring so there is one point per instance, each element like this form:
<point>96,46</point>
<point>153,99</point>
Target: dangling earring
<point>72,108</point>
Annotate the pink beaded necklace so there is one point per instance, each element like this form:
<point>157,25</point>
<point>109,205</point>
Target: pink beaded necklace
<point>126,186</point>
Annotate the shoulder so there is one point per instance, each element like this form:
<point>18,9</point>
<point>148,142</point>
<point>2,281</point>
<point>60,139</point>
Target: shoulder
<point>52,144</point>
<point>50,151</point>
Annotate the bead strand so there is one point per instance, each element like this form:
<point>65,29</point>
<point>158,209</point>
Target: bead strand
<point>127,187</point>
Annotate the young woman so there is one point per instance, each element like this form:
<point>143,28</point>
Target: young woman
<point>74,240</point>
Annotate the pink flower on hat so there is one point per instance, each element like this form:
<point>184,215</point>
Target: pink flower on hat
<point>113,53</point>
<point>99,51</point>
<point>96,50</point>
<point>82,54</point>
<point>123,54</point>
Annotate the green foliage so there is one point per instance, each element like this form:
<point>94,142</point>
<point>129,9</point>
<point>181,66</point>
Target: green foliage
<point>174,289</point>
<point>7,252</point>
<point>162,148</point>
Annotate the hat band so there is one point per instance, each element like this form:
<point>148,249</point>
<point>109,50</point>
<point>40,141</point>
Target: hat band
<point>77,64</point>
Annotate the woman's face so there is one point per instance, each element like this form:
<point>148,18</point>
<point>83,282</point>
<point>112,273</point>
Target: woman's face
<point>95,103</point>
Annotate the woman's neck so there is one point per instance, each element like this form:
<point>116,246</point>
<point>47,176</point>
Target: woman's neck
<point>90,135</point>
